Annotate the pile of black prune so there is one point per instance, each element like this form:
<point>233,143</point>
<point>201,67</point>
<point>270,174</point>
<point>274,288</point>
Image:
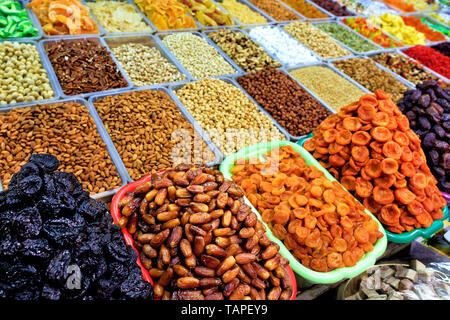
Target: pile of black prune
<point>58,243</point>
<point>428,110</point>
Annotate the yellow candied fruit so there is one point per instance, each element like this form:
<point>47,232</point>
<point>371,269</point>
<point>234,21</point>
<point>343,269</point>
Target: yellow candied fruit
<point>395,26</point>
<point>117,16</point>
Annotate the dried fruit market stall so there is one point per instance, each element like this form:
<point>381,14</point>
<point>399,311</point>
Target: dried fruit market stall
<point>224,150</point>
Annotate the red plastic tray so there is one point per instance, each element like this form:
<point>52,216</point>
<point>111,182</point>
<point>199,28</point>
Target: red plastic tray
<point>116,215</point>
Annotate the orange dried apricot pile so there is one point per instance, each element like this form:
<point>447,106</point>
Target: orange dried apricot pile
<point>322,225</point>
<point>369,147</point>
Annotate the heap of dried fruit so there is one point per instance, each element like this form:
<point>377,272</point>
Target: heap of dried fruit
<point>56,243</point>
<point>200,241</point>
<point>317,220</point>
<point>63,17</point>
<point>428,111</point>
<point>207,13</point>
<point>369,147</point>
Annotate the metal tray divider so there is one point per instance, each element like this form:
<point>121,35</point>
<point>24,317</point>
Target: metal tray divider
<point>156,44</point>
<point>104,196</point>
<point>102,43</point>
<point>48,69</point>
<point>212,44</point>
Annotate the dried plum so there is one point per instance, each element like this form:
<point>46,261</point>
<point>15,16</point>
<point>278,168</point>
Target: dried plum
<point>442,146</point>
<point>424,123</point>
<point>28,223</point>
<point>424,100</point>
<point>46,162</point>
<point>29,186</point>
<point>134,287</point>
<point>52,234</point>
<point>446,161</point>
<point>62,231</point>
<point>91,209</point>
<point>57,268</point>
<point>36,249</point>
<point>50,293</point>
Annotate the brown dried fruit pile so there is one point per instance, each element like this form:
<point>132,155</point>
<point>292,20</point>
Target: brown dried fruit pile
<point>64,130</point>
<point>84,66</point>
<point>141,124</point>
<point>200,241</point>
<point>285,100</point>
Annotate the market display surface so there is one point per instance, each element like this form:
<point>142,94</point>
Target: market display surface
<point>127,108</point>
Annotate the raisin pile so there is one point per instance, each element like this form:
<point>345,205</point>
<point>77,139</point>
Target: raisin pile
<point>58,243</point>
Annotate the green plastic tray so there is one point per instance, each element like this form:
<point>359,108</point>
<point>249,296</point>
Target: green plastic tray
<point>368,260</point>
<point>405,237</point>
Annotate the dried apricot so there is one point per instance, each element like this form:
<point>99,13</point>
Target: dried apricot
<point>351,123</point>
<point>381,134</point>
<point>349,259</point>
<point>309,145</point>
<point>415,208</point>
<point>381,119</point>
<point>424,219</point>
<point>358,253</point>
<point>319,265</point>
<point>361,138</point>
<point>386,106</point>
<point>389,166</point>
<point>368,99</point>
<point>403,123</point>
<point>371,205</point>
<point>329,135</point>
<point>313,240</point>
<point>336,161</point>
<point>360,153</point>
<point>383,195</point>
<point>404,195</point>
<point>361,235</point>
<point>343,137</point>
<point>401,138</point>
<point>408,169</point>
<point>363,188</point>
<point>334,260</point>
<point>281,217</point>
<point>392,149</point>
<point>406,154</point>
<point>301,200</point>
<point>373,168</point>
<point>367,112</point>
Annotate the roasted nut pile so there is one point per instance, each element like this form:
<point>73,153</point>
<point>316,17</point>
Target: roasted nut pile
<point>22,76</point>
<point>246,53</point>
<point>141,125</point>
<point>318,221</point>
<point>199,240</point>
<point>347,37</point>
<point>197,55</point>
<point>285,100</point>
<point>84,66</point>
<point>367,74</point>
<point>52,232</point>
<point>231,119</point>
<point>282,46</point>
<point>242,12</point>
<point>428,111</point>
<point>275,9</point>
<point>118,16</point>
<point>371,150</point>
<point>328,85</point>
<point>145,65</point>
<point>405,67</point>
<point>316,39</point>
<point>65,130</point>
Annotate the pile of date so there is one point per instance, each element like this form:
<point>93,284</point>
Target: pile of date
<point>200,241</point>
